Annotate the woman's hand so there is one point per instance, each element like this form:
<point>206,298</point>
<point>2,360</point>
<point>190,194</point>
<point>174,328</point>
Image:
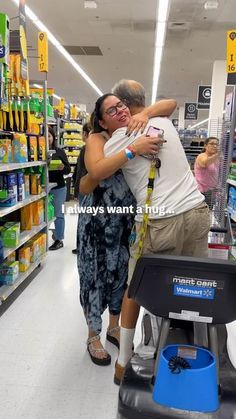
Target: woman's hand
<point>137,122</point>
<point>61,166</point>
<point>148,145</point>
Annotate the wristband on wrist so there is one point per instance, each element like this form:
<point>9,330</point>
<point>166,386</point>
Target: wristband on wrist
<point>132,148</point>
<point>129,154</point>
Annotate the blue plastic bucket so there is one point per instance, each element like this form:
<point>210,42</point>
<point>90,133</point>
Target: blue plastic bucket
<point>194,388</point>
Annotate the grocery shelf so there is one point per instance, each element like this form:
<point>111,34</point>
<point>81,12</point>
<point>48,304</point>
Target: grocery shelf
<point>6,167</point>
<point>51,221</point>
<point>24,237</point>
<point>7,290</point>
<point>231,182</point>
<point>32,198</point>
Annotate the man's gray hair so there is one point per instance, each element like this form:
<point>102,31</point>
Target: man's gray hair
<point>131,92</point>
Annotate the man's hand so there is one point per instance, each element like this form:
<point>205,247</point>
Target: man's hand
<point>137,122</point>
<point>148,145</point>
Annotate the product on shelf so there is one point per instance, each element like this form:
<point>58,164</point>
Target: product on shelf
<point>32,148</point>
<point>35,184</point>
<point>10,234</point>
<point>38,212</point>
<point>5,151</point>
<point>24,258</point>
<point>34,250</point>
<point>19,148</point>
<point>11,257</point>
<point>27,185</point>
<point>1,251</point>
<point>41,148</point>
<point>9,272</point>
<point>8,189</point>
<point>73,126</point>
<point>51,211</point>
<point>26,217</point>
<point>21,186</point>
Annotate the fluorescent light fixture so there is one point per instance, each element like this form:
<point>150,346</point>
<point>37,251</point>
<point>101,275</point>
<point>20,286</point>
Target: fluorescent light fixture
<point>200,123</point>
<point>90,4</point>
<point>160,35</point>
<point>40,25</point>
<point>211,4</point>
<point>37,86</point>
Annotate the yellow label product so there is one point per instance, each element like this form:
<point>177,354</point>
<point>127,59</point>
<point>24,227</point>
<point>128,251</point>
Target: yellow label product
<point>38,212</point>
<point>19,148</point>
<point>5,151</point>
<point>33,148</point>
<point>41,148</point>
<point>26,217</point>
<point>24,258</point>
<point>35,184</point>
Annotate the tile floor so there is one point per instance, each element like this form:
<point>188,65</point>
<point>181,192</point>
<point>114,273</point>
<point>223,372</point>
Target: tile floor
<point>45,370</point>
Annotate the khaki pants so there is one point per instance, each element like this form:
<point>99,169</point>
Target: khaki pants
<point>183,235</point>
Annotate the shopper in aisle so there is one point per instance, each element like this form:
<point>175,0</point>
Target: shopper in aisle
<point>182,228</point>
<point>206,169</point>
<point>80,169</point>
<point>103,251</point>
<point>59,191</point>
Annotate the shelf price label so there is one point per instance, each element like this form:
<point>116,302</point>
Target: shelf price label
<point>42,52</point>
<point>231,51</point>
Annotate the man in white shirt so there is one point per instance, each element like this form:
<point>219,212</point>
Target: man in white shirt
<point>179,219</point>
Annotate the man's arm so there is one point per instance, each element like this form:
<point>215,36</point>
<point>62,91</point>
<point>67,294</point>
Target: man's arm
<point>139,121</point>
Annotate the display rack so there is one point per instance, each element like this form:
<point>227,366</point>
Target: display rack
<point>25,236</point>
<point>70,135</point>
<point>192,142</point>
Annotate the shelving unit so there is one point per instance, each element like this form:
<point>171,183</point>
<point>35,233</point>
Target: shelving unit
<point>71,141</point>
<point>26,235</point>
<point>7,290</point>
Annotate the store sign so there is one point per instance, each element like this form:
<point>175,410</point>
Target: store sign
<point>23,41</point>
<point>42,52</point>
<point>204,97</point>
<point>190,111</point>
<point>231,51</point>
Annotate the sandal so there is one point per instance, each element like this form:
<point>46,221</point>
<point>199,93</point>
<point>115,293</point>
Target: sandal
<point>93,351</point>
<point>112,339</point>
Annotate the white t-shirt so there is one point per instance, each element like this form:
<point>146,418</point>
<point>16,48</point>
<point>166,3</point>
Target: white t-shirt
<point>175,190</point>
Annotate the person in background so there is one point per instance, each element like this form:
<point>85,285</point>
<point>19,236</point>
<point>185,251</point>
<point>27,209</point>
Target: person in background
<point>206,169</point>
<point>59,191</point>
<point>80,169</point>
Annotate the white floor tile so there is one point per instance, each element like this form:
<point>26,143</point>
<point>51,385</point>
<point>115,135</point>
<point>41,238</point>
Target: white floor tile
<point>45,369</point>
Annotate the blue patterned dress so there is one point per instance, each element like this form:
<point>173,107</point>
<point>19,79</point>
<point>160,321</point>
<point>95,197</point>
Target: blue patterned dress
<point>103,250</point>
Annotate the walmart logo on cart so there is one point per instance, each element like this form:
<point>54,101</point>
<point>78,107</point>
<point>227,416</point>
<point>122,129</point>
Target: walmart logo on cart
<point>194,292</point>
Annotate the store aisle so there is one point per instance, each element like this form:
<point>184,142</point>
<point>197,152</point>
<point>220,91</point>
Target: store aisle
<point>45,371</point>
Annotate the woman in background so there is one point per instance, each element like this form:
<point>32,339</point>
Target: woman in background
<point>206,169</point>
<point>59,191</point>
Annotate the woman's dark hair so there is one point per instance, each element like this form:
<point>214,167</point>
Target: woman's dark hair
<point>52,132</point>
<point>98,112</point>
<point>86,128</point>
<point>207,140</point>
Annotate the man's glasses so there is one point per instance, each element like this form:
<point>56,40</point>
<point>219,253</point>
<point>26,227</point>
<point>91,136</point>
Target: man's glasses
<point>113,110</point>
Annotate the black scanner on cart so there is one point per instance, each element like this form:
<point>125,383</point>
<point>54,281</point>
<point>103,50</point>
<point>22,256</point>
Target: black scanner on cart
<point>202,291</point>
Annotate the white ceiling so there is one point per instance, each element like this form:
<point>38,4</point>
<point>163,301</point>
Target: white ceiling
<point>124,30</point>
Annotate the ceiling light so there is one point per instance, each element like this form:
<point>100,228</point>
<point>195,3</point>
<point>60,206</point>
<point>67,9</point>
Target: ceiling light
<point>40,25</point>
<point>160,34</point>
<point>211,4</point>
<point>90,4</point>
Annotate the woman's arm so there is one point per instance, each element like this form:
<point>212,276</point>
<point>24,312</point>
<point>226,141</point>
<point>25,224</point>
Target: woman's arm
<point>100,167</point>
<point>87,185</point>
<point>203,160</point>
<point>139,121</point>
